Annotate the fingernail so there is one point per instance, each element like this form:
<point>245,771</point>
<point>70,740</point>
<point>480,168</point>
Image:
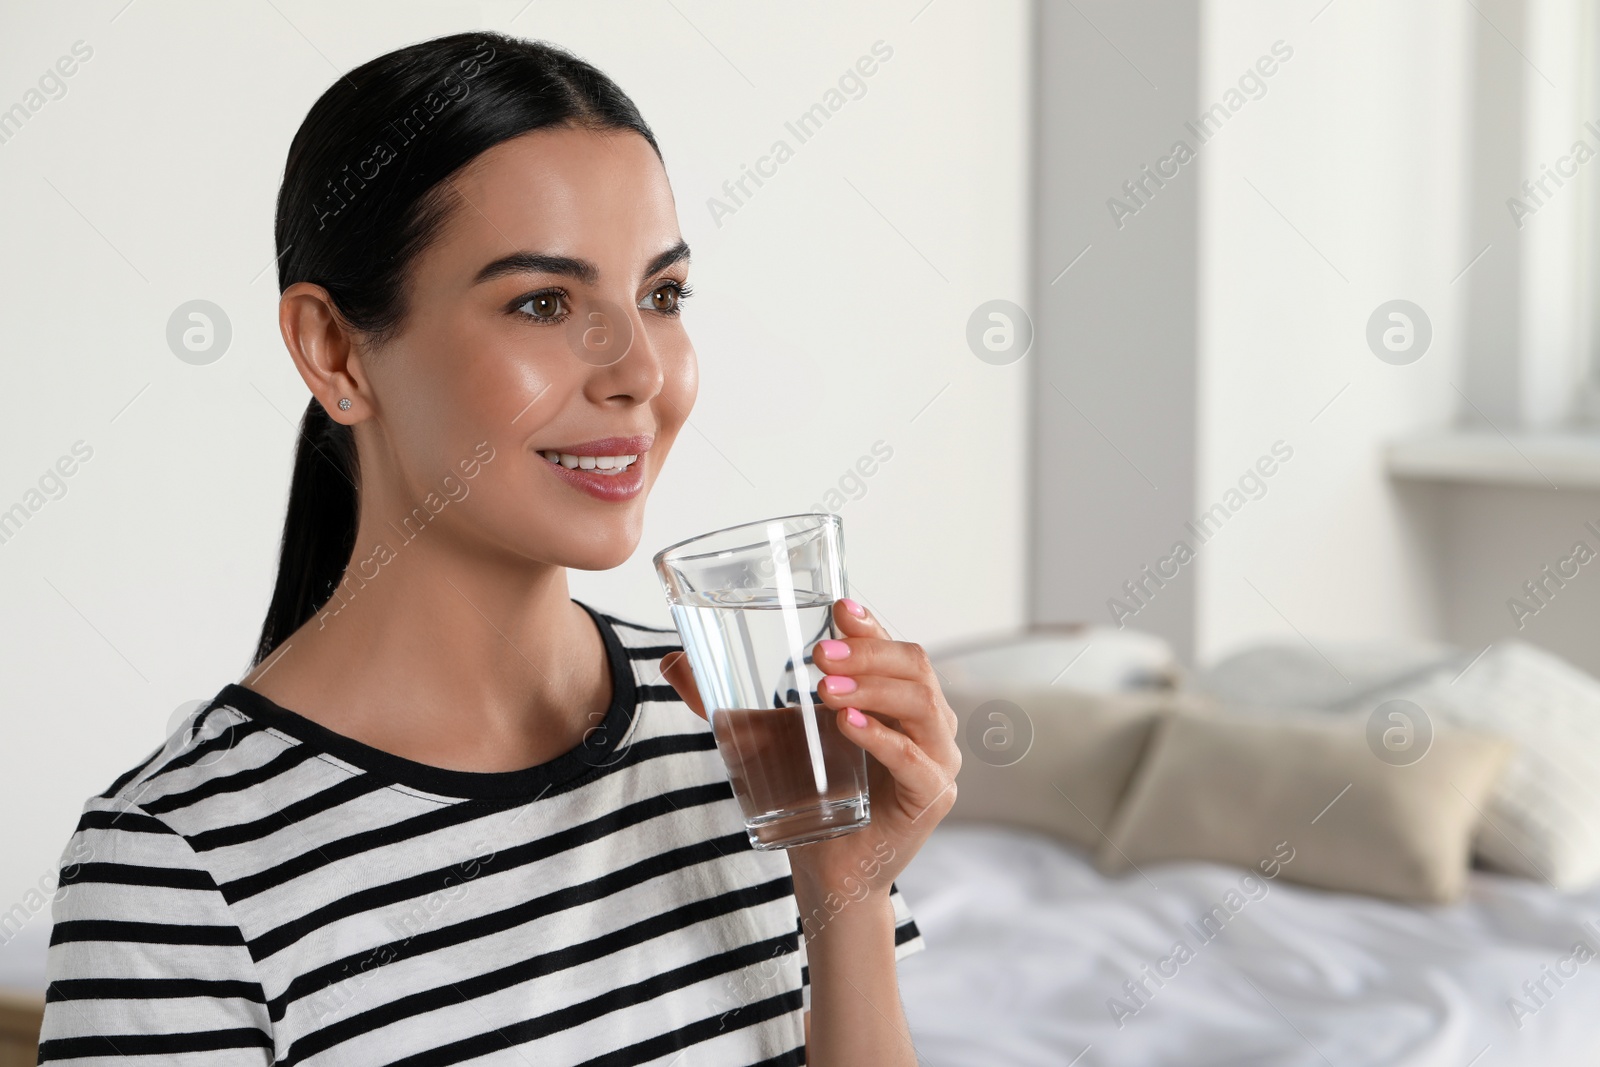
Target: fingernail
<point>853,608</point>
<point>838,685</point>
<point>834,649</point>
<point>855,717</point>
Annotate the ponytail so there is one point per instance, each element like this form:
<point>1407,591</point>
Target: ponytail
<point>319,532</point>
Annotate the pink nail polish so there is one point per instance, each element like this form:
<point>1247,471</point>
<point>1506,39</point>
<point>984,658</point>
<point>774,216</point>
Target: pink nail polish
<point>855,717</point>
<point>853,608</point>
<point>838,685</point>
<point>834,649</point>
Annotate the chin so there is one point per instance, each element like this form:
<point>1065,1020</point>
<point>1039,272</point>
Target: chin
<point>597,561</point>
<point>601,553</point>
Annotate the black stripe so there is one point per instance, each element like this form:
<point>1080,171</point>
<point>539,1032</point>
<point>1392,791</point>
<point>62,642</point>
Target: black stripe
<point>652,651</point>
<point>905,932</point>
<point>624,997</point>
<point>435,820</point>
<point>660,693</point>
<point>352,788</point>
<point>635,626</point>
<point>133,874</point>
<point>329,853</point>
<point>441,879</point>
<point>282,763</point>
<point>200,720</point>
<point>535,967</point>
<point>66,1048</point>
<point>484,926</point>
<point>227,739</point>
<point>129,776</point>
<point>128,820</point>
<point>143,933</point>
<point>153,989</point>
<point>703,1030</point>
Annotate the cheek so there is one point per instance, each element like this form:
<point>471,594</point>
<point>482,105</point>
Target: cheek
<point>680,384</point>
<point>498,373</point>
<point>503,384</point>
<point>467,383</point>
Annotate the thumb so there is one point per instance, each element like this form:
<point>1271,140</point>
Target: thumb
<point>675,669</point>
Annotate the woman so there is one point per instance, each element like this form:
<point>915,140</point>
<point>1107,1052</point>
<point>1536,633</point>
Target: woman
<point>486,831</point>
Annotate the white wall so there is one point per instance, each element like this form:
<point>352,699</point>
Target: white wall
<point>1114,298</point>
<point>1528,327</point>
<point>1340,189</point>
<point>822,326</point>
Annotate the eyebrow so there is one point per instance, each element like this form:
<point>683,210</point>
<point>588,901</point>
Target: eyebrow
<point>570,266</point>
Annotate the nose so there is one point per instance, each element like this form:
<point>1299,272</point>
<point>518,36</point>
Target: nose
<point>626,364</point>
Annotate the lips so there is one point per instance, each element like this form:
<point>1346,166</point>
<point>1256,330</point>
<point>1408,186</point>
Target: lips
<point>607,468</point>
<point>606,446</point>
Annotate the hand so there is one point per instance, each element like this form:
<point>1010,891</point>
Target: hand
<point>908,730</point>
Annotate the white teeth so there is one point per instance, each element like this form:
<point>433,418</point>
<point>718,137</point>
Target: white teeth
<point>612,464</point>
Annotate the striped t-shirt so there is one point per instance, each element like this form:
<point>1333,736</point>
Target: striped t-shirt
<point>264,890</point>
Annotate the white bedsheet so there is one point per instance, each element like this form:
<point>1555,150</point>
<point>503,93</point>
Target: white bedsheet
<point>1027,943</point>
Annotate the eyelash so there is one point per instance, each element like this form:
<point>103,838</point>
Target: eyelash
<point>683,289</point>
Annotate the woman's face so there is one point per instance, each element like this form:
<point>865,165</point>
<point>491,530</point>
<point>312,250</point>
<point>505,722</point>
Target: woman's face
<point>542,320</point>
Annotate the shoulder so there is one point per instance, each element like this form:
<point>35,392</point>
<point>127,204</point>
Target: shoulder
<point>637,636</point>
<point>218,752</point>
<point>137,914</point>
<point>127,861</point>
<point>660,713</point>
<point>207,732</point>
<point>645,646</point>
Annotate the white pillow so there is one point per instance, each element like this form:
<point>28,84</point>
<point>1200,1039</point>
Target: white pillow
<point>1089,659</point>
<point>1334,676</point>
<point>1542,820</point>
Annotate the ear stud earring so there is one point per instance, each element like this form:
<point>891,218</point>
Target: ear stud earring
<point>344,403</point>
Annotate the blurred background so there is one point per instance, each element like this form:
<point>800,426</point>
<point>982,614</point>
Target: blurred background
<point>1061,286</point>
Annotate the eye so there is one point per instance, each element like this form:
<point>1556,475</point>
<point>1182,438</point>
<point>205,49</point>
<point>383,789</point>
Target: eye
<point>666,298</point>
<point>547,305</point>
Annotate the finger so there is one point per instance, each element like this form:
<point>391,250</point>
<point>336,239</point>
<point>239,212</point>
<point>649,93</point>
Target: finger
<point>872,655</point>
<point>924,785</point>
<point>852,619</point>
<point>675,669</point>
<point>915,708</point>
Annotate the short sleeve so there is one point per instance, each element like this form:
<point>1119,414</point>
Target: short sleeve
<point>907,939</point>
<point>145,959</point>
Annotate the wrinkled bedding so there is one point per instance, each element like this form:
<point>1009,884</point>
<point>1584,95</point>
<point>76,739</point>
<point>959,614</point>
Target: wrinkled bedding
<point>1029,949</point>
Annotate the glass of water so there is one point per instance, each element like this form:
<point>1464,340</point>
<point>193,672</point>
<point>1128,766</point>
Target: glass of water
<point>750,603</point>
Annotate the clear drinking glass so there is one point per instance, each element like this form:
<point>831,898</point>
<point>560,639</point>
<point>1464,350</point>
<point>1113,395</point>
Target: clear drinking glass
<point>750,602</point>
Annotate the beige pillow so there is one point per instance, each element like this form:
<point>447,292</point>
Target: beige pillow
<point>1249,791</point>
<point>1068,780</point>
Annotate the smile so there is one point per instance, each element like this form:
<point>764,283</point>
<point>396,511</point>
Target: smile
<point>612,465</point>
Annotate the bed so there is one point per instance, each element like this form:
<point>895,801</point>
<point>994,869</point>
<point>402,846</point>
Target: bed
<point>1033,953</point>
<point>1027,944</point>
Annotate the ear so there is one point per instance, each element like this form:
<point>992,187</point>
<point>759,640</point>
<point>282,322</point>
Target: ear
<point>325,352</point>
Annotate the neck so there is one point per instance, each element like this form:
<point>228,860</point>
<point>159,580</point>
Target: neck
<point>479,660</point>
